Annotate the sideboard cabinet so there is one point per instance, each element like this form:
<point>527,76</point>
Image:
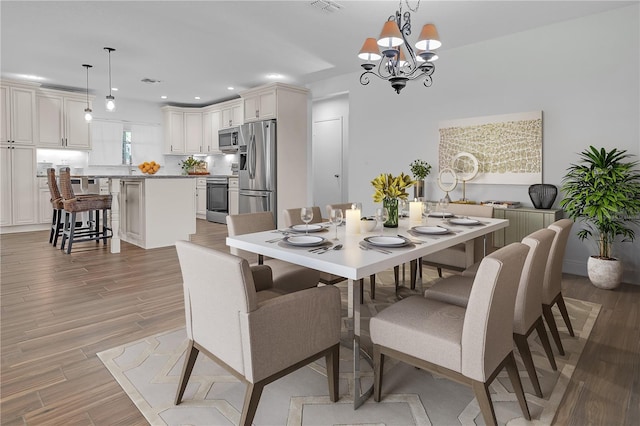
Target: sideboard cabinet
<point>522,222</point>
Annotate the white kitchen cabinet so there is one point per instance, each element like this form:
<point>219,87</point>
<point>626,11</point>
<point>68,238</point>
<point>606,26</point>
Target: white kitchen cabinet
<point>201,198</point>
<point>60,121</point>
<point>232,114</point>
<point>18,115</point>
<point>131,210</point>
<point>259,105</point>
<point>210,126</point>
<point>234,198</point>
<point>156,211</point>
<point>19,195</point>
<point>183,130</point>
<point>44,201</point>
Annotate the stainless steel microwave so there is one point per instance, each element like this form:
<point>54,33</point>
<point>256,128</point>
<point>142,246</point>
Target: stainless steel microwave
<point>228,139</point>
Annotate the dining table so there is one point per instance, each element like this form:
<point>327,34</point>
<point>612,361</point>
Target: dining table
<point>362,255</point>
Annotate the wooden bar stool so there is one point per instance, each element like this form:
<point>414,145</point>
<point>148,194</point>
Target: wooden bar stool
<point>91,203</point>
<point>58,207</point>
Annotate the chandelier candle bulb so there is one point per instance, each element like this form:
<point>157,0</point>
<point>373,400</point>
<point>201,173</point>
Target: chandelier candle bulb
<point>353,221</point>
<point>415,212</point>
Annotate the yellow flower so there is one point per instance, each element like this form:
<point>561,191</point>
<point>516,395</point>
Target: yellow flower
<point>387,186</point>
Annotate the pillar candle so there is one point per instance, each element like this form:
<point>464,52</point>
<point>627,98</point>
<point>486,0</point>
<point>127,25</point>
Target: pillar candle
<point>353,221</point>
<point>415,212</point>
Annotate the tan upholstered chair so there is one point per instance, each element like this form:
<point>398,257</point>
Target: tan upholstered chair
<point>257,335</point>
<point>471,345</point>
<point>90,203</point>
<point>287,277</point>
<point>528,308</point>
<point>292,216</point>
<point>462,256</point>
<point>341,206</point>
<point>552,287</point>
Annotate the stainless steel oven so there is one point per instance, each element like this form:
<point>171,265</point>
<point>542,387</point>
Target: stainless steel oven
<point>217,199</point>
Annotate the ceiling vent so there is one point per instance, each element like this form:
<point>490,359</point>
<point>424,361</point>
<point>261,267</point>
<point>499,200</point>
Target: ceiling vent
<point>150,81</point>
<point>326,5</point>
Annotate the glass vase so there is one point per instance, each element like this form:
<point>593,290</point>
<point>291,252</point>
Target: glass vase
<point>392,207</point>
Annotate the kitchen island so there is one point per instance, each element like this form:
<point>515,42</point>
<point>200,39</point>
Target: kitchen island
<point>149,211</point>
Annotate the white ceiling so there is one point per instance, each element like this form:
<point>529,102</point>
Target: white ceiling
<point>199,48</point>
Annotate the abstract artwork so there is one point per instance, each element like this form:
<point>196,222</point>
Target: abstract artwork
<point>508,147</point>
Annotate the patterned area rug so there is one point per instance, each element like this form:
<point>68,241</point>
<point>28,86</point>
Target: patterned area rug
<point>148,370</point>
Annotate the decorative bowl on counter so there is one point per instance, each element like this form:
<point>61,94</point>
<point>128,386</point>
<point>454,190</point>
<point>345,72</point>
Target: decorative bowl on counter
<point>149,167</point>
<point>367,224</point>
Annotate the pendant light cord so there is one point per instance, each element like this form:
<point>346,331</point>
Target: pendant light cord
<point>109,72</point>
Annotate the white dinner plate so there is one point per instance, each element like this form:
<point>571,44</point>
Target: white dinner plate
<point>304,240</point>
<point>464,221</point>
<point>441,214</point>
<point>433,230</point>
<point>313,227</point>
<point>382,241</point>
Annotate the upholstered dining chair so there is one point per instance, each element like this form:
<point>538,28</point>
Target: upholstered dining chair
<point>462,256</point>
<point>287,277</point>
<point>292,216</point>
<point>74,204</point>
<point>528,305</point>
<point>235,318</point>
<point>552,287</point>
<point>469,345</point>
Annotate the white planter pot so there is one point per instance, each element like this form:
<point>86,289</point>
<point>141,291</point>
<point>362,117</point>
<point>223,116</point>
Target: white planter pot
<point>604,273</point>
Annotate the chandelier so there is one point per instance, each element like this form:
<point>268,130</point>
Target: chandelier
<point>394,64</point>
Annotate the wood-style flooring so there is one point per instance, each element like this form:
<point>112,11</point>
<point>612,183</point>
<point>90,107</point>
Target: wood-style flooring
<point>58,311</point>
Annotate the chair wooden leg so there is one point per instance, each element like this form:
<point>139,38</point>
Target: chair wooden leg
<point>332,360</point>
<point>251,399</point>
<point>396,275</point>
<point>413,267</point>
<point>551,322</point>
<point>420,267</point>
<point>527,359</point>
<point>105,228</point>
<point>361,291</point>
<point>565,314</point>
<point>72,230</point>
<point>187,368</point>
<point>97,234</point>
<point>440,272</point>
<point>544,339</point>
<point>512,370</point>
<point>378,366</point>
<point>53,225</point>
<point>481,391</point>
<point>372,283</point>
<point>65,229</point>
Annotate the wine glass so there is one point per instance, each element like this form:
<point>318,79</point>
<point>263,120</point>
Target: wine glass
<point>335,217</point>
<point>306,214</point>
<point>444,203</point>
<point>382,215</point>
<point>426,209</point>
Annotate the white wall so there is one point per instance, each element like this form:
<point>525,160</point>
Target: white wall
<point>583,74</point>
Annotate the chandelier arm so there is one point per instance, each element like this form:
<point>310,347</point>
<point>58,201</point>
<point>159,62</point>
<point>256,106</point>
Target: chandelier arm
<point>364,77</point>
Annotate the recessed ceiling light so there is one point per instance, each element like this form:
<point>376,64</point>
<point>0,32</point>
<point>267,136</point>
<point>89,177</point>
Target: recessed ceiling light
<point>274,76</point>
<point>163,97</point>
<point>230,88</point>
<point>196,97</point>
<point>115,89</point>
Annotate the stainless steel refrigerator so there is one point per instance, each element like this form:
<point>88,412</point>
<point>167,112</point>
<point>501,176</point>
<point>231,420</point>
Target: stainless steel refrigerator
<point>257,168</point>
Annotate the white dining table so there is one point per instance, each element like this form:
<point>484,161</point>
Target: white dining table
<point>354,263</point>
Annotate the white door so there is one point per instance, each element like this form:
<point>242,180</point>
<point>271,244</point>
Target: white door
<point>327,141</point>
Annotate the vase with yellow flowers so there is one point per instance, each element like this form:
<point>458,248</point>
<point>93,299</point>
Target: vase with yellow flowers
<point>389,190</point>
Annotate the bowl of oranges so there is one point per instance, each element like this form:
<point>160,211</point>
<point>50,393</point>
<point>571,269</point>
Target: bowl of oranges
<point>149,167</point>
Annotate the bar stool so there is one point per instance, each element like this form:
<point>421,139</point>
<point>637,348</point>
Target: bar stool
<point>58,207</point>
<point>91,203</point>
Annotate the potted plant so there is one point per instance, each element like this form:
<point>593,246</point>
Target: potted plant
<point>420,169</point>
<point>603,192</point>
<point>189,165</point>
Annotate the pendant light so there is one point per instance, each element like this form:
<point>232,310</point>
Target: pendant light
<point>87,110</point>
<point>110,100</point>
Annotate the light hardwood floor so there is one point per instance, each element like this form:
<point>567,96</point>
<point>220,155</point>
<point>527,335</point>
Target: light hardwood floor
<point>58,311</point>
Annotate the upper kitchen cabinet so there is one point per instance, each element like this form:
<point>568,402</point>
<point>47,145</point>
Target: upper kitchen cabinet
<point>259,104</point>
<point>61,123</point>
<point>18,114</point>
<point>232,113</point>
<point>211,117</point>
<point>183,130</point>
